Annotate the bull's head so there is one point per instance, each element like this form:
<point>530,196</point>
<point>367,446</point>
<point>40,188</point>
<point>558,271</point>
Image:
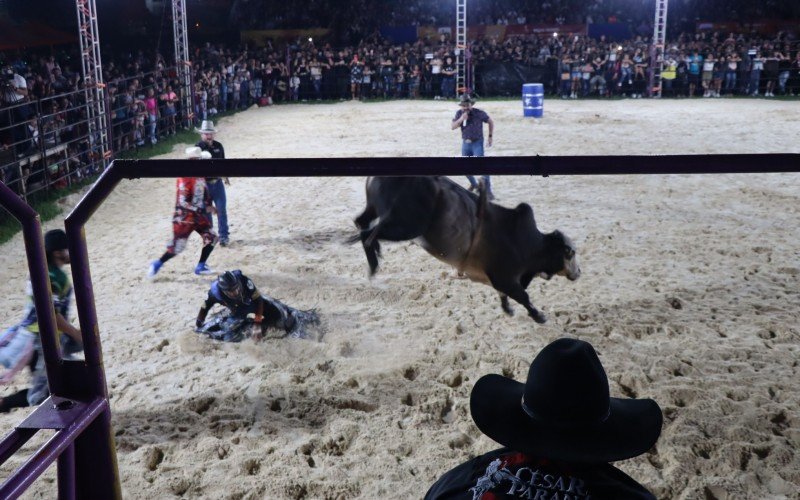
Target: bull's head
<point>571,269</point>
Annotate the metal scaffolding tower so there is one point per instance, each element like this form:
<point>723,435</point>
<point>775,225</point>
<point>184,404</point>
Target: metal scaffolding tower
<point>658,48</point>
<point>93,79</point>
<point>182,58</point>
<point>461,47</point>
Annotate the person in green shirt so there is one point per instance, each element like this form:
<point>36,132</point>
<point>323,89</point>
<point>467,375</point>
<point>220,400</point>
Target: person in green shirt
<point>21,346</point>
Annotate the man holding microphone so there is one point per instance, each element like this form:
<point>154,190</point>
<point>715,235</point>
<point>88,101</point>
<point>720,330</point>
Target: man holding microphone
<point>471,121</point>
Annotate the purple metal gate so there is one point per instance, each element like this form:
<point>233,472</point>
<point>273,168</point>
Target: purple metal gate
<point>78,408</point>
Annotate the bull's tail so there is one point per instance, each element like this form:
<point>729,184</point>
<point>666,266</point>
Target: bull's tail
<point>483,201</point>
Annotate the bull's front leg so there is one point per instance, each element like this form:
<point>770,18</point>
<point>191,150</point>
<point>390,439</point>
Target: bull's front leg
<point>505,305</point>
<point>512,288</point>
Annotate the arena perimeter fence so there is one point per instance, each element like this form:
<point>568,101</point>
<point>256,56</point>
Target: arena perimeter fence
<point>48,144</point>
<point>78,408</point>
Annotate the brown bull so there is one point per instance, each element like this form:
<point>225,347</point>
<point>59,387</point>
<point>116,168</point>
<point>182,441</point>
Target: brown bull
<point>498,246</point>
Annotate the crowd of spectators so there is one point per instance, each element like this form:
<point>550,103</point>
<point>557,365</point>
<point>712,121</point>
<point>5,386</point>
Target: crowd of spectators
<point>365,16</point>
<point>42,99</point>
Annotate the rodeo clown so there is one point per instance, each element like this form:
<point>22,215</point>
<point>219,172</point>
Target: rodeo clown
<point>193,209</point>
<point>239,295</point>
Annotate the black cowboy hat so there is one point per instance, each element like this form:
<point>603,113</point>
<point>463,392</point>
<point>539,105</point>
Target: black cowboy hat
<point>55,239</point>
<point>563,411</point>
<point>466,99</point>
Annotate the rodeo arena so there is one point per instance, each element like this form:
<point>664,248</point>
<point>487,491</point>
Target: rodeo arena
<point>439,249</point>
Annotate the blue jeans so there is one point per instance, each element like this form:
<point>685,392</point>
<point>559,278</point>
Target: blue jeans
<point>475,149</point>
<point>755,80</point>
<point>448,87</point>
<point>217,191</point>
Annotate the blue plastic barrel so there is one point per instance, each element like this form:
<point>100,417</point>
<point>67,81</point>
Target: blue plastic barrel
<point>533,99</point>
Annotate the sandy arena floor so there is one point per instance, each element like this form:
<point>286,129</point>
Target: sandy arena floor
<point>690,293</point>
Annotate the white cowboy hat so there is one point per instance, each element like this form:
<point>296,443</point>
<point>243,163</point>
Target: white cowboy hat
<point>207,127</point>
<point>195,152</point>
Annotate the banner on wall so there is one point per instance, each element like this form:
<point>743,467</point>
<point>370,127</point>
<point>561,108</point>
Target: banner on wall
<point>612,31</point>
<point>506,78</point>
<point>498,32</point>
<point>258,38</point>
<point>768,27</point>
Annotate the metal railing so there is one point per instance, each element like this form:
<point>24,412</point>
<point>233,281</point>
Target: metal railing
<point>49,145</point>
<point>78,408</point>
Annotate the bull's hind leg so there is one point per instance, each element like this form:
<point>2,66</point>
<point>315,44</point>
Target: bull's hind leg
<point>388,228</point>
<point>514,289</point>
<point>372,248</point>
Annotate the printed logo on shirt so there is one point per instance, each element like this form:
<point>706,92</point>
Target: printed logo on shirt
<point>527,482</point>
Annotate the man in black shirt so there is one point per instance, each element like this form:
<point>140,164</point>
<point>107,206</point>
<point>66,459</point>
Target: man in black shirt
<point>216,185</point>
<point>559,431</point>
<point>471,121</point>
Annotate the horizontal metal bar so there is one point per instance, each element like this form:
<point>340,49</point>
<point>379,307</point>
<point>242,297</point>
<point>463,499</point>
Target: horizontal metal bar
<point>55,413</point>
<point>28,472</point>
<point>487,165</point>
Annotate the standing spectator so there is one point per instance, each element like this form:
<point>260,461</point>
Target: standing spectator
<point>427,80</point>
<point>639,82</point>
<point>576,72</point>
<point>244,90</point>
<point>784,69</point>
<point>794,82</point>
<point>315,70</point>
<point>587,70</point>
<point>15,88</point>
<point>771,72</point>
<point>449,78</point>
<point>625,82</point>
<point>367,81</point>
<point>471,121</point>
<point>216,185</point>
<point>413,82</point>
<point>559,431</point>
<point>668,76</point>
<point>170,99</point>
<point>151,107</point>
<point>400,81</point>
<point>731,70</point>
<point>294,87</point>
<point>755,73</point>
<point>708,75</point>
<point>694,64</point>
<point>193,211</point>
<point>236,88</point>
<point>223,92</point>
<point>719,76</point>
<point>356,77</point>
<point>387,77</point>
<point>436,76</point>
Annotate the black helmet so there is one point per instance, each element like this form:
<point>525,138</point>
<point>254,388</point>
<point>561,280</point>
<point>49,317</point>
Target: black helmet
<point>227,281</point>
<point>55,239</point>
